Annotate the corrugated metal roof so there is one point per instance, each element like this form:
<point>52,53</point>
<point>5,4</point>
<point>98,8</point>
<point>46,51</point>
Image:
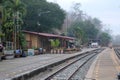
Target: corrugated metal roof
<point>49,35</point>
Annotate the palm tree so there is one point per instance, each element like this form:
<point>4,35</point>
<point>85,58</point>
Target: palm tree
<point>15,10</point>
<point>1,18</point>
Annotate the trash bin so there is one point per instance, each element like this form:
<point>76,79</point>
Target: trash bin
<point>17,53</point>
<point>23,53</point>
<point>40,50</point>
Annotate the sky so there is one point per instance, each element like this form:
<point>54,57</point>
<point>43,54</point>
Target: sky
<point>108,11</point>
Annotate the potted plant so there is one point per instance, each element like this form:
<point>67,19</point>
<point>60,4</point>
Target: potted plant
<point>23,44</point>
<point>61,50</point>
<point>36,51</point>
<point>54,44</point>
<point>57,43</point>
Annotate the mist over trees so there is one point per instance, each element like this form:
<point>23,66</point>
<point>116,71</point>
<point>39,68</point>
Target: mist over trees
<point>85,26</point>
<point>116,40</point>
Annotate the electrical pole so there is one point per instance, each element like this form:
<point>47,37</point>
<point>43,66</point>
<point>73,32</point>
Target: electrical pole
<point>16,28</point>
<point>14,20</point>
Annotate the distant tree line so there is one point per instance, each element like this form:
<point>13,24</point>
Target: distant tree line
<point>85,28</point>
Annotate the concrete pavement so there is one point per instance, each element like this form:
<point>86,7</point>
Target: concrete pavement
<point>10,69</point>
<point>106,66</point>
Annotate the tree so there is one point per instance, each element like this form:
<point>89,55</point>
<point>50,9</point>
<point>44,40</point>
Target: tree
<point>22,41</point>
<point>116,40</point>
<point>78,34</point>
<point>97,23</point>
<point>88,29</point>
<point>1,18</point>
<point>14,10</point>
<point>39,20</point>
<point>105,39</point>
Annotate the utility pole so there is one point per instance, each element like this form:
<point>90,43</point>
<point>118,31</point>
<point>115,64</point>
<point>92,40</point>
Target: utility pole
<point>67,24</point>
<point>14,20</point>
<point>16,28</point>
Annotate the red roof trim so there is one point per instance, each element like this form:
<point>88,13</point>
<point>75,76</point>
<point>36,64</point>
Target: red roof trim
<point>49,35</point>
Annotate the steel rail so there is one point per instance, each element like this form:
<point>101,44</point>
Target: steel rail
<point>117,51</point>
<point>95,51</point>
<point>81,66</point>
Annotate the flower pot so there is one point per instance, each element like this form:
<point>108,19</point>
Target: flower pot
<point>58,51</point>
<point>36,52</point>
<point>44,50</point>
<point>51,51</point>
<point>61,51</point>
<point>54,51</point>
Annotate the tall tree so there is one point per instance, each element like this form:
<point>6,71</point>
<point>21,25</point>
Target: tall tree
<point>14,10</point>
<point>88,29</point>
<point>116,40</point>
<point>97,23</point>
<point>43,16</point>
<point>105,39</point>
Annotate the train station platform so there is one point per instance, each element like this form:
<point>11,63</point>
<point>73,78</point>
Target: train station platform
<point>105,67</point>
<point>18,68</point>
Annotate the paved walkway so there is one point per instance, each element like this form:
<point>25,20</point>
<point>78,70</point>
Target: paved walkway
<point>19,66</point>
<point>106,66</point>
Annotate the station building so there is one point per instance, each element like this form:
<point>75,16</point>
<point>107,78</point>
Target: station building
<point>42,40</point>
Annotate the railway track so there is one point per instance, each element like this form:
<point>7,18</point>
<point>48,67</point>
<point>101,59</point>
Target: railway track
<point>117,51</point>
<point>70,72</point>
<point>74,69</point>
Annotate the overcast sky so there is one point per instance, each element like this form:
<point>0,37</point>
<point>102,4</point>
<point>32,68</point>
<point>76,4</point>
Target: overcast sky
<point>108,11</point>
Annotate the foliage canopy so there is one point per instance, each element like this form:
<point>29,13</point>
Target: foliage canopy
<point>43,16</point>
